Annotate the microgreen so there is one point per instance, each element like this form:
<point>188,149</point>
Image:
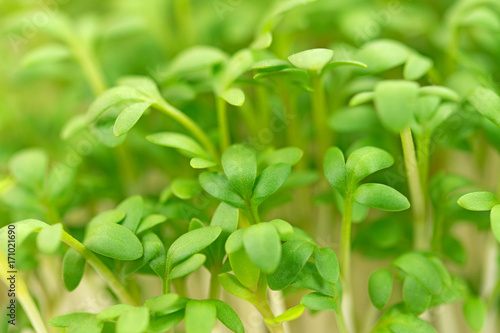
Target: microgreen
<point>158,156</point>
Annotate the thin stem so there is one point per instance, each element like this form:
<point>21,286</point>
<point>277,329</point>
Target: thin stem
<point>340,321</point>
<point>253,212</point>
<point>100,268</point>
<point>214,284</point>
<point>262,305</point>
<point>165,286</point>
<point>224,135</point>
<point>23,295</point>
<point>89,64</point>
<point>417,196</point>
<point>345,242</point>
<point>190,125</point>
<point>320,119</point>
<point>423,158</point>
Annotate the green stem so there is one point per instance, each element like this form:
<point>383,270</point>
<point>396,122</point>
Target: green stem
<point>345,242</point>
<point>165,286</point>
<point>340,321</point>
<point>253,212</point>
<point>214,283</point>
<point>262,305</point>
<point>224,135</point>
<point>320,119</point>
<point>423,153</point>
<point>416,193</point>
<point>89,64</point>
<point>190,125</point>
<point>100,268</point>
<point>24,296</point>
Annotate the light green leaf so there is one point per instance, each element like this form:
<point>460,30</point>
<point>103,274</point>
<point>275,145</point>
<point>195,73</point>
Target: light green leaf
<point>201,163</point>
<point>238,64</point>
<point>395,102</point>
<point>110,98</point>
<point>365,161</point>
<point>334,167</point>
<point>185,188</point>
<point>114,312</point>
<point>235,241</point>
<point>486,102</point>
<point>150,221</point>
<point>270,65</point>
<point>263,246</point>
<point>354,119</point>
<point>73,269</point>
<point>314,59</point>
<point>475,311</point>
<point>133,207</point>
<point>234,96</point>
<point>114,241</point>
<point>231,284</point>
<point>129,117</point>
<point>327,264</point>
<point>421,269</point>
<point>319,302</point>
<point>339,63</point>
<point>240,167</point>
<point>49,53</point>
<point>159,262</point>
<point>287,155</point>
<point>244,269</point>
<point>227,316</point>
<point>22,229</point>
<point>185,144</point>
<point>269,181</point>
<point>29,167</point>
<point>135,320</point>
<point>362,98</point>
<point>381,55</point>
<point>381,197</point>
<point>191,243</point>
<point>226,217</point>
<point>67,319</point>
<point>380,287</point>
<point>284,228</point>
<point>162,304</point>
<point>194,59</point>
<point>441,92</point>
<point>218,186</point>
<point>263,41</point>
<point>49,238</point>
<point>200,316</point>
<point>161,324</point>
<point>291,314</point>
<point>417,299</point>
<point>109,216</point>
<point>478,201</point>
<point>88,325</point>
<point>495,221</point>
<point>187,266</point>
<point>416,66</point>
<point>295,254</point>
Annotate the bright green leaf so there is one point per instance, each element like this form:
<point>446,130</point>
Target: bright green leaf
<point>269,181</point>
<point>150,221</point>
<point>191,243</point>
<point>486,102</point>
<point>263,246</point>
<point>334,167</point>
<point>227,316</point>
<point>314,59</point>
<point>417,299</point>
<point>319,302</point>
<point>114,241</point>
<point>294,256</point>
<point>478,201</point>
<point>234,96</point>
<point>113,312</point>
<point>129,117</point>
<point>49,238</point>
<point>185,188</point>
<point>380,287</point>
<point>421,269</point>
<point>184,143</point>
<point>381,197</point>
<point>162,304</point>
<point>187,266</point>
<point>218,186</point>
<point>291,314</point>
<point>365,161</point>
<point>416,66</point>
<point>135,320</point>
<point>240,167</point>
<point>475,311</point>
<point>327,264</point>
<point>133,207</point>
<point>200,316</point>
<point>73,269</point>
<point>231,284</point>
<point>395,102</point>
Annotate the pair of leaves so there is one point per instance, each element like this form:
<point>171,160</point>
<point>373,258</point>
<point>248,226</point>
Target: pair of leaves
<point>345,176</point>
<point>484,201</point>
<point>241,183</point>
<point>200,316</point>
